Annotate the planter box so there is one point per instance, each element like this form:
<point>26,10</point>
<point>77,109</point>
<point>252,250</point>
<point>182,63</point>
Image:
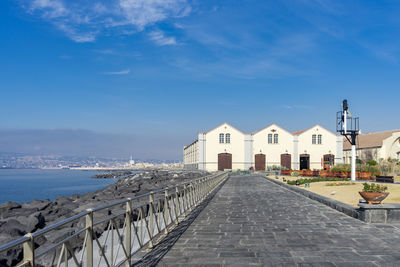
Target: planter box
<point>315,173</point>
<point>285,172</point>
<point>384,179</point>
<point>309,173</point>
<point>323,173</point>
<point>363,176</point>
<point>338,174</point>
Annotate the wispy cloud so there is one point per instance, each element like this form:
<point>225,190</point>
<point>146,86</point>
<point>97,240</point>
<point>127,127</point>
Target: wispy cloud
<point>105,51</point>
<point>122,72</point>
<point>159,38</point>
<point>296,107</point>
<point>83,21</point>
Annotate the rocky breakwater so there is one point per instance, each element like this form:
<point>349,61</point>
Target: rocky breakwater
<point>18,219</point>
<point>113,174</point>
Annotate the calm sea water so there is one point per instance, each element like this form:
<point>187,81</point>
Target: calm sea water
<point>25,185</point>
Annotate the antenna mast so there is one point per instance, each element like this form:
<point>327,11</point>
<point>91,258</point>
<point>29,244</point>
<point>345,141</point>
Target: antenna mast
<point>348,126</point>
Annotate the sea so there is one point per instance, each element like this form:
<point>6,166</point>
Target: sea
<point>22,185</point>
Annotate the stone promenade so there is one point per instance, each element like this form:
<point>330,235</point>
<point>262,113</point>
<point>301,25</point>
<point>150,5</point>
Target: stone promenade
<point>251,221</point>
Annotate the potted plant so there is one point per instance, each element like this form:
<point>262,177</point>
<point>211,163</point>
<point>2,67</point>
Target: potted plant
<point>374,193</point>
<point>363,175</point>
<point>309,173</point>
<point>323,173</point>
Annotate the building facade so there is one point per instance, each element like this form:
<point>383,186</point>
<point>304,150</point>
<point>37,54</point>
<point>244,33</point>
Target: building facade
<point>226,147</point>
<point>374,146</point>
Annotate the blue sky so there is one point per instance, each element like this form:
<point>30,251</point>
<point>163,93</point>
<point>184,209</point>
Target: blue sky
<point>158,71</point>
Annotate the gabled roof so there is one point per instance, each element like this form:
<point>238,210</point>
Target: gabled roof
<point>369,140</point>
<point>272,124</point>
<point>220,126</point>
<point>299,132</point>
<point>316,125</point>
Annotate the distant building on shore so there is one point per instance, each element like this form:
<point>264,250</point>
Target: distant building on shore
<point>374,146</point>
<point>226,147</point>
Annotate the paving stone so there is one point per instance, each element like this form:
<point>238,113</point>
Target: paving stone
<point>253,222</point>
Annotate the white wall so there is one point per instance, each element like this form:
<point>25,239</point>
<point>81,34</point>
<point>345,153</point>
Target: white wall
<point>317,151</point>
<point>391,147</point>
<point>203,153</point>
<point>191,155</point>
<point>236,147</point>
<point>272,151</point>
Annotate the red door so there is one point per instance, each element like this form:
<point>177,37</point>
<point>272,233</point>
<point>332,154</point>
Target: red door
<point>286,161</point>
<point>224,161</point>
<point>260,162</point>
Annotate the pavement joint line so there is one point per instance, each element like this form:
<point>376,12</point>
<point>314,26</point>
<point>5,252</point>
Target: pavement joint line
<point>334,204</point>
<point>296,232</point>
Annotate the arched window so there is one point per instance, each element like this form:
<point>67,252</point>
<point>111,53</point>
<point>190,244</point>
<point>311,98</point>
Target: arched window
<point>319,139</point>
<point>221,138</point>
<point>314,139</point>
<point>227,138</point>
<point>275,138</point>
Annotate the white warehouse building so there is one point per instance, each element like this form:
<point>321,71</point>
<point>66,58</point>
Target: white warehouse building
<point>226,147</point>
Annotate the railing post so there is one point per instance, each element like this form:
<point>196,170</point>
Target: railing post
<point>190,196</point>
<point>184,201</point>
<point>176,205</point>
<point>29,251</point>
<point>151,220</point>
<point>128,234</point>
<point>89,240</point>
<point>166,210</point>
<point>178,201</point>
<point>196,191</point>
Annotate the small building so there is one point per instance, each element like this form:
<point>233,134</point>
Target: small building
<point>374,146</point>
<point>226,147</point>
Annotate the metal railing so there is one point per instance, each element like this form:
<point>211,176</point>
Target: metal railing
<point>111,234</point>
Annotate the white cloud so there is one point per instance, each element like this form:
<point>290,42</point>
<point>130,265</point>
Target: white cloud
<point>105,51</point>
<point>159,38</point>
<point>122,72</point>
<point>49,8</point>
<point>83,21</point>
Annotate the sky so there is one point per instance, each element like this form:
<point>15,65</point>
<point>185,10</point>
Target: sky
<point>143,77</point>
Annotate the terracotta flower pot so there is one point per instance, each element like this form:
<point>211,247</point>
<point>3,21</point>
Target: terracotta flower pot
<point>285,172</point>
<point>309,173</point>
<point>374,197</point>
<point>364,175</point>
<point>323,173</point>
<point>337,174</point>
<point>330,174</point>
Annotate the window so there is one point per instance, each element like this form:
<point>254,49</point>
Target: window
<point>221,138</point>
<point>314,139</point>
<point>319,139</point>
<point>275,138</point>
<point>269,138</point>
<point>227,138</point>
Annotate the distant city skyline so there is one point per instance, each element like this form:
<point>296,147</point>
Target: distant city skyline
<point>142,78</point>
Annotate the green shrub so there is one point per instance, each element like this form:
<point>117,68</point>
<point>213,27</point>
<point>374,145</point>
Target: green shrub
<point>341,168</point>
<point>314,180</point>
<point>376,188</point>
<point>372,163</point>
<point>339,183</point>
<point>295,174</point>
